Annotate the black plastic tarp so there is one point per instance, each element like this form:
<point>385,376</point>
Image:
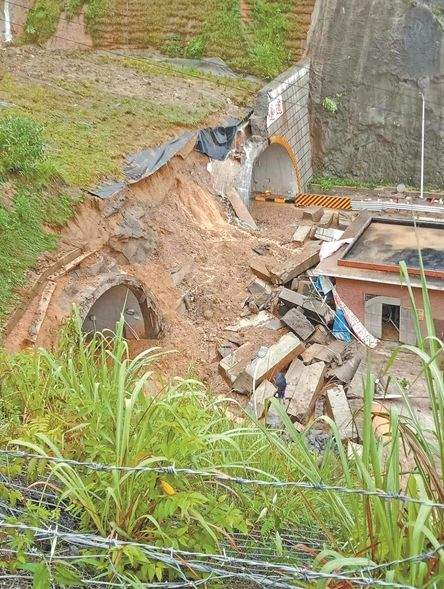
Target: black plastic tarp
<point>217,142</point>
<point>144,163</point>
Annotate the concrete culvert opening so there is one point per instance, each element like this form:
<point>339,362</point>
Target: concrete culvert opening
<point>141,318</point>
<point>274,171</point>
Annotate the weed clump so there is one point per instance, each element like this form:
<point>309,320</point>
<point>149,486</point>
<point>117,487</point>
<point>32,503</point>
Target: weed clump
<point>21,145</point>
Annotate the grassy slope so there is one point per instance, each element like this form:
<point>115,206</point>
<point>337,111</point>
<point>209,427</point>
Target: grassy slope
<point>87,131</point>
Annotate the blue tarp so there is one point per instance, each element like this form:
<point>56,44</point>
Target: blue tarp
<point>341,329</point>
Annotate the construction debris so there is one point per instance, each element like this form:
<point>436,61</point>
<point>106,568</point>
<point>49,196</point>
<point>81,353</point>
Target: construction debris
<point>263,318</point>
<point>43,305</point>
<point>233,365</point>
<point>346,372</point>
<point>291,298</point>
<point>301,234</point>
<point>259,269</point>
<point>313,213</point>
<point>260,291</point>
<point>318,311</point>
<point>281,273</point>
<point>298,323</point>
<point>304,386</point>
<point>277,357</point>
<point>242,213</point>
<point>325,234</point>
<point>262,393</point>
<point>337,407</point>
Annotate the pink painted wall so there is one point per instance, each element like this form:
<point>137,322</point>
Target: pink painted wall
<point>353,292</point>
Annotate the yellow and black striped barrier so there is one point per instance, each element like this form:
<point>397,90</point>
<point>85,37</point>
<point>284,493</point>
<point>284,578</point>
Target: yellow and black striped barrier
<point>327,201</point>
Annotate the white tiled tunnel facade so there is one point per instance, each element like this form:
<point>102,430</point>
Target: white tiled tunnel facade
<point>281,115</point>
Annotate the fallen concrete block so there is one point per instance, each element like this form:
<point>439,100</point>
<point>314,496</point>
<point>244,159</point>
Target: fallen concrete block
<point>317,352</point>
<point>263,392</point>
<point>259,269</point>
<point>337,407</point>
<point>318,311</point>
<point>303,387</point>
<point>325,234</point>
<point>260,291</point>
<point>298,323</point>
<point>233,365</point>
<point>281,273</point>
<point>301,234</point>
<point>326,219</point>
<point>346,372</point>
<point>291,298</point>
<point>278,357</point>
<point>313,213</point>
<point>242,213</point>
<point>321,335</point>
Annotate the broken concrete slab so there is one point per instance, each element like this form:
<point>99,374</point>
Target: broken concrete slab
<point>233,365</point>
<point>301,234</point>
<point>305,287</point>
<point>316,352</point>
<point>326,219</point>
<point>337,407</point>
<point>298,323</point>
<point>321,335</point>
<point>303,389</point>
<point>277,357</point>
<point>242,213</point>
<point>318,311</point>
<point>325,234</point>
<point>281,273</point>
<point>260,269</point>
<point>260,396</point>
<point>346,372</point>
<point>260,291</point>
<point>291,298</point>
<point>313,213</point>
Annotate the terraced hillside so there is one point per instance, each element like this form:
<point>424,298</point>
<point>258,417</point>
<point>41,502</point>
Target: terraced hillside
<point>259,36</point>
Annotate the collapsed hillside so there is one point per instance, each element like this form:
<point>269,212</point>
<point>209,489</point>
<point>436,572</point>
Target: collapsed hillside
<point>91,109</point>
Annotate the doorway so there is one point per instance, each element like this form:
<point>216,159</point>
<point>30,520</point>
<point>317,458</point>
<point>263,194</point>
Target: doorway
<point>390,322</point>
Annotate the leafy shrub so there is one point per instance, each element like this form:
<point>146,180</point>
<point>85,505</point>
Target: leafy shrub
<point>330,105</point>
<point>196,47</point>
<point>21,144</point>
<point>42,20</point>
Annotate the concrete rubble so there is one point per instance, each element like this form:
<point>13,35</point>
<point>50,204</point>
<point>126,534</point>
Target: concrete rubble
<point>319,369</point>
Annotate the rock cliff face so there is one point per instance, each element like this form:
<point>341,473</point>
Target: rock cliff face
<point>368,60</point>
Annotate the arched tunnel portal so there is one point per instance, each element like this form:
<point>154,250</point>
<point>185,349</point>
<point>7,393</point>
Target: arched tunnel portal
<point>275,170</point>
<point>117,296</point>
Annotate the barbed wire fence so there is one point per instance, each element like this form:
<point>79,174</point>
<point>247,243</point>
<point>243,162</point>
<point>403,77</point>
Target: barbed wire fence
<point>244,560</point>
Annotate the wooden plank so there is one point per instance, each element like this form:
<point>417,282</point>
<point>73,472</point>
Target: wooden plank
<point>242,213</point>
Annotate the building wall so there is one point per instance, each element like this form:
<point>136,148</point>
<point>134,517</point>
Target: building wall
<point>353,292</point>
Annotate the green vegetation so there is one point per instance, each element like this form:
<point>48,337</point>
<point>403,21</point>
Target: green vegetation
<point>329,182</point>
<point>330,105</point>
<point>42,20</point>
<point>21,145</point>
<point>257,45</point>
<point>89,401</point>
